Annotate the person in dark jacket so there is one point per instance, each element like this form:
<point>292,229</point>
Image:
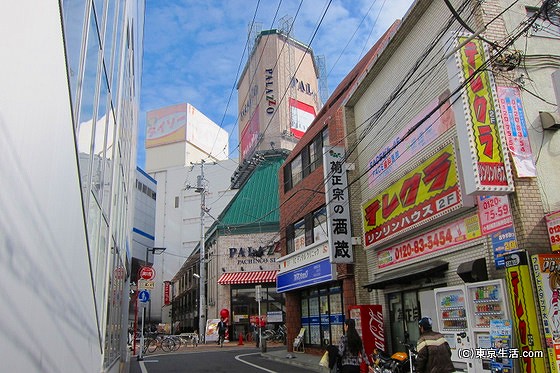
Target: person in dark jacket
<point>351,349</point>
<point>434,353</point>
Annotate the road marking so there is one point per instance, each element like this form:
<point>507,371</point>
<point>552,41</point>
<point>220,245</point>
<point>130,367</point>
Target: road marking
<point>238,358</point>
<point>143,367</point>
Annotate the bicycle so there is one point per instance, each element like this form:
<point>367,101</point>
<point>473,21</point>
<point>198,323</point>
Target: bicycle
<point>249,337</point>
<point>152,343</point>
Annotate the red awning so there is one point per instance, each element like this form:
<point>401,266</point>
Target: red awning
<point>247,277</point>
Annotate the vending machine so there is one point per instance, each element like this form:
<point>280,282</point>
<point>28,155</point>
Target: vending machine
<point>369,324</point>
<point>452,322</point>
<point>464,313</point>
<point>488,302</point>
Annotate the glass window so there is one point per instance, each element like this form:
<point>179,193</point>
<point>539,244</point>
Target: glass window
<point>321,315</point>
<point>404,312</point>
<point>290,242</point>
<point>299,234</point>
<point>288,177</point>
<point>296,170</point>
<point>320,225</point>
<point>73,13</point>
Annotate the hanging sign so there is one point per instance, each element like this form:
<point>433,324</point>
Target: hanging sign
<point>338,205</point>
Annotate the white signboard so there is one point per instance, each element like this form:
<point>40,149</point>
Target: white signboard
<point>303,257</point>
<point>338,205</point>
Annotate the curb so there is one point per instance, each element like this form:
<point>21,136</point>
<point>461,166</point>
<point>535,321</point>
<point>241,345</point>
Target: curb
<point>292,359</point>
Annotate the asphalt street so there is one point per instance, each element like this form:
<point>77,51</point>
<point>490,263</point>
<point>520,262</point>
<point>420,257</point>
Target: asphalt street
<point>243,359</point>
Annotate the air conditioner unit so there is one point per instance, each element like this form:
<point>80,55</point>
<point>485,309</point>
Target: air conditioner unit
<point>550,120</point>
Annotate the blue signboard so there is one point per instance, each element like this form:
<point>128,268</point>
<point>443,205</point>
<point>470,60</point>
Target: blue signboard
<point>144,296</point>
<point>314,273</point>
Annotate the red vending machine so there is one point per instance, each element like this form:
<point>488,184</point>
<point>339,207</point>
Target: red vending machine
<point>369,324</point>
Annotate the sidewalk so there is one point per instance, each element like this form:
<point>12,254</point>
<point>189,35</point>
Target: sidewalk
<point>302,360</point>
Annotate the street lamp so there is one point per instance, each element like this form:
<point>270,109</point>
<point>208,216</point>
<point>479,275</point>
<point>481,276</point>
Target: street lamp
<point>154,251</point>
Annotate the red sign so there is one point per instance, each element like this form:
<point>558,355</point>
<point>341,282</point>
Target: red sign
<point>166,293</point>
<point>147,273</point>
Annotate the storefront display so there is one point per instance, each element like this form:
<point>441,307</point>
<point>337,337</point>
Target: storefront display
<point>321,315</point>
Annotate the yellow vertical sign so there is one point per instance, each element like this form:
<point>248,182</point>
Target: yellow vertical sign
<point>524,315</point>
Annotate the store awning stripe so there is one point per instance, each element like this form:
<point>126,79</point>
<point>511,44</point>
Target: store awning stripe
<point>234,278</point>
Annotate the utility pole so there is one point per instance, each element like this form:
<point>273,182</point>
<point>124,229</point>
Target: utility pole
<point>201,188</point>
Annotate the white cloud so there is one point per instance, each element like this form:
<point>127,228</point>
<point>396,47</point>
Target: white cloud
<point>193,49</point>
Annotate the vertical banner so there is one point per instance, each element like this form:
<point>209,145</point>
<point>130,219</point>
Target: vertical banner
<point>338,205</point>
<point>515,127</point>
<point>546,269</point>
<point>553,228</point>
<point>524,315</point>
<point>166,293</point>
<point>503,242</point>
<point>480,134</point>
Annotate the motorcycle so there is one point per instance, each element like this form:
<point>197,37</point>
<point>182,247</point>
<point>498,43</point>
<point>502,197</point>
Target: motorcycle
<point>399,362</point>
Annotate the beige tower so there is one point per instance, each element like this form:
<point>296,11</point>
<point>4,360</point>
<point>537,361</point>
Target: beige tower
<point>278,94</point>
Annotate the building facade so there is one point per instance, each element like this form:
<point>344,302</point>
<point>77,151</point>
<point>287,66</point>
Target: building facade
<point>143,237</point>
<point>278,97</point>
<point>452,198</point>
<point>179,134</point>
<point>68,203</point>
<point>178,221</point>
<point>318,290</point>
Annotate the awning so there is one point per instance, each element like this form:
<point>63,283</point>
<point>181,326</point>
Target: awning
<point>408,274</point>
<point>234,278</point>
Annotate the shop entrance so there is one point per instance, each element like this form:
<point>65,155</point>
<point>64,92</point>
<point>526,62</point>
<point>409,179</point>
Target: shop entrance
<point>245,309</point>
<point>404,313</point>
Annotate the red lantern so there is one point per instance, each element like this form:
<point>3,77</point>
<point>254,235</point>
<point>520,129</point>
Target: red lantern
<point>224,313</point>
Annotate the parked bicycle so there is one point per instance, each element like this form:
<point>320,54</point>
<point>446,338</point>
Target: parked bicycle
<point>155,341</point>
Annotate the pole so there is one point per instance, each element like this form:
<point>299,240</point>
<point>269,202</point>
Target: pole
<point>140,353</point>
<point>258,296</point>
<point>202,305</point>
<point>135,323</point>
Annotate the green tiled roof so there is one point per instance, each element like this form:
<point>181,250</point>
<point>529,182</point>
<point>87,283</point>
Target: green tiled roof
<point>257,202</point>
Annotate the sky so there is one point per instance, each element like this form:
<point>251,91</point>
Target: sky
<point>195,50</point>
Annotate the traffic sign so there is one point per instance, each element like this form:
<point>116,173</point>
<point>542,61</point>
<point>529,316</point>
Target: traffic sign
<point>143,284</point>
<point>147,273</point>
<point>144,296</point>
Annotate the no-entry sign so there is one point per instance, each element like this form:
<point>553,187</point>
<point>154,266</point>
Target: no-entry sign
<point>147,273</point>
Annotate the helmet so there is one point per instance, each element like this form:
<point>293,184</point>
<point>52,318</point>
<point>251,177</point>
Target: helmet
<point>425,322</point>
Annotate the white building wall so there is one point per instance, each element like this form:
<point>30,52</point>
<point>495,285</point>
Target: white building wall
<point>178,228</point>
<point>536,76</point>
<point>66,217</point>
<point>144,217</point>
<point>45,272</point>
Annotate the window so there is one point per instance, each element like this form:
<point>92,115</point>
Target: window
<point>310,158</point>
<point>288,177</point>
<point>320,225</point>
<point>299,234</point>
<point>321,315</point>
<point>312,228</point>
<point>547,25</point>
<point>296,170</point>
<point>176,202</point>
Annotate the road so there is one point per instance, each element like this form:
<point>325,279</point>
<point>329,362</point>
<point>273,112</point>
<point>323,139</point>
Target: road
<point>246,360</point>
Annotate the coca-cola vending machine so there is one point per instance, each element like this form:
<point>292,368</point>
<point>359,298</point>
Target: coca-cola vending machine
<point>369,324</point>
